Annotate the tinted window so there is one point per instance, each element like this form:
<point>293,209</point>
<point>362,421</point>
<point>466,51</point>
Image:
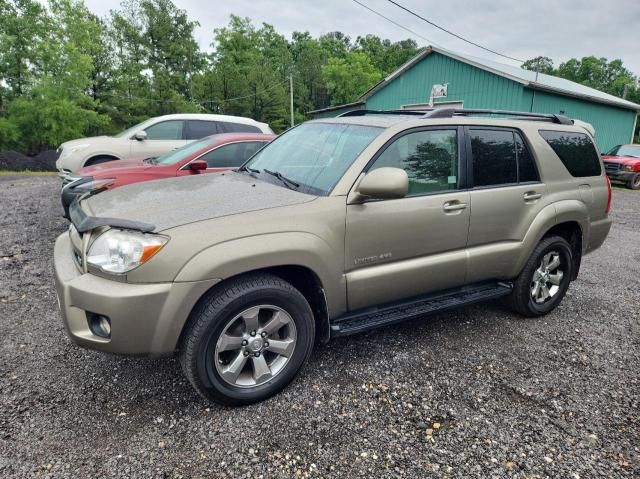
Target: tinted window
<point>166,130</point>
<point>240,128</point>
<point>429,157</point>
<point>232,155</point>
<point>526,166</point>
<point>576,151</point>
<point>494,157</point>
<point>197,129</point>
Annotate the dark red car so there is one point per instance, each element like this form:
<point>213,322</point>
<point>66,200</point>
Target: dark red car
<point>622,164</point>
<point>212,154</point>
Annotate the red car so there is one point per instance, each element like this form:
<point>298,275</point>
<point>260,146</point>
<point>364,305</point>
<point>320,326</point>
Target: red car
<point>212,154</point>
<point>622,164</point>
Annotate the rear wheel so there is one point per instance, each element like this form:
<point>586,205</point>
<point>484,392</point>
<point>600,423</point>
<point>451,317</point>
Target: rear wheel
<point>634,183</point>
<point>247,340</point>
<point>545,278</point>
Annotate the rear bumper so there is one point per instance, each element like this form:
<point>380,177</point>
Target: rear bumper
<point>598,232</point>
<point>146,319</point>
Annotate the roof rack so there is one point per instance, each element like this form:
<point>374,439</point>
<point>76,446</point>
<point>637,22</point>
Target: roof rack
<point>451,112</point>
<point>382,112</point>
<point>526,115</point>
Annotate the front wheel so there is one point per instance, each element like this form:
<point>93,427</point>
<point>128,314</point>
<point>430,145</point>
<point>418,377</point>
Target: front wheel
<point>545,278</point>
<point>634,183</point>
<point>247,340</point>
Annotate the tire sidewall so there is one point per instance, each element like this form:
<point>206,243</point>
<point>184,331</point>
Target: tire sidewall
<point>563,248</point>
<point>302,317</point>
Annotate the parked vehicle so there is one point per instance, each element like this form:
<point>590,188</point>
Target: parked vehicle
<point>151,138</point>
<point>337,226</point>
<point>622,164</point>
<point>212,154</point>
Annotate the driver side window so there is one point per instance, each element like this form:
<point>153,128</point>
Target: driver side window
<point>166,130</point>
<point>429,157</point>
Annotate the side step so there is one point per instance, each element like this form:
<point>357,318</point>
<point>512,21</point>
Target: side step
<point>370,318</point>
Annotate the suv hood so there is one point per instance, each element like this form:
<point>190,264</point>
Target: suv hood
<point>623,160</point>
<point>177,201</point>
<point>81,141</point>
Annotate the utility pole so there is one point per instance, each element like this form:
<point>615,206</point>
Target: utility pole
<point>291,97</point>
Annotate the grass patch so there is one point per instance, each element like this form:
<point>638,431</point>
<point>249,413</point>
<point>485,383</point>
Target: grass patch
<point>27,172</point>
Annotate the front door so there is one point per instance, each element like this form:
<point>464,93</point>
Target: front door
<point>400,248</point>
<point>161,138</point>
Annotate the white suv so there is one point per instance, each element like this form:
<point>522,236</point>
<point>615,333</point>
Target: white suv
<point>150,138</point>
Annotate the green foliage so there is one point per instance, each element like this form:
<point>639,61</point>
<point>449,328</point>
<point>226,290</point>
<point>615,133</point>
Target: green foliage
<point>66,73</point>
<point>347,78</point>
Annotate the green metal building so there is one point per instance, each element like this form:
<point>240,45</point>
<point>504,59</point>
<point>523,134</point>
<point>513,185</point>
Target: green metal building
<point>479,83</point>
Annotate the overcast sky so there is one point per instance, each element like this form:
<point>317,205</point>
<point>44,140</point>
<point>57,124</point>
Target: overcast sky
<point>559,29</point>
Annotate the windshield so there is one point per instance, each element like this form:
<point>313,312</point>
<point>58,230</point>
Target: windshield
<point>174,156</point>
<point>625,150</point>
<point>314,155</point>
<point>130,131</point>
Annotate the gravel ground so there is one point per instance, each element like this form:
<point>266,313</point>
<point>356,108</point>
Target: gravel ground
<point>478,392</point>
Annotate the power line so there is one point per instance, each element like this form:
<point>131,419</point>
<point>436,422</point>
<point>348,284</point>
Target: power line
<point>392,21</point>
<point>452,33</point>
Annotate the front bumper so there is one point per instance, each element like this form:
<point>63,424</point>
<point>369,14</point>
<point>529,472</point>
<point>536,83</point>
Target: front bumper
<point>146,318</point>
<point>623,176</point>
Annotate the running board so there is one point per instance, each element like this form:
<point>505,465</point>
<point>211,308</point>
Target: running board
<point>370,318</point>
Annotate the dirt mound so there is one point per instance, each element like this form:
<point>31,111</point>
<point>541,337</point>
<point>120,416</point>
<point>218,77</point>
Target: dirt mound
<point>14,161</point>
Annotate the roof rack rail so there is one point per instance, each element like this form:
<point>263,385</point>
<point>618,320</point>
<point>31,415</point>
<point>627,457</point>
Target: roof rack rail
<point>382,112</point>
<point>451,112</point>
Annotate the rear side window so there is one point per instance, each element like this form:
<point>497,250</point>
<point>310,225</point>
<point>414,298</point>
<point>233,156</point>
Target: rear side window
<point>494,157</point>
<point>230,127</point>
<point>576,151</point>
<point>197,129</point>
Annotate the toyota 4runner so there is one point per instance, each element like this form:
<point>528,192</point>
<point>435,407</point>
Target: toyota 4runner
<point>338,226</point>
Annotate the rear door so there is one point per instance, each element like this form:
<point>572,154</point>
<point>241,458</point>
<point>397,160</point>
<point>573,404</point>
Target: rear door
<point>162,137</point>
<point>506,196</point>
<point>197,129</point>
<point>399,248</point>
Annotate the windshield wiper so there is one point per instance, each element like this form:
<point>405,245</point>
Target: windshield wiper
<point>249,169</point>
<point>283,178</point>
<point>153,160</point>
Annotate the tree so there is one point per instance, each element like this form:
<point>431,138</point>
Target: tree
<point>540,64</point>
<point>348,78</point>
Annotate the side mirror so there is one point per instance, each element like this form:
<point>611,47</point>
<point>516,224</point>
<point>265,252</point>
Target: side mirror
<point>198,165</point>
<point>140,135</point>
<point>385,184</point>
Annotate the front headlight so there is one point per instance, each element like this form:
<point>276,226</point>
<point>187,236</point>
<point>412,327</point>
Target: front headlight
<point>628,168</point>
<point>72,149</point>
<point>119,251</point>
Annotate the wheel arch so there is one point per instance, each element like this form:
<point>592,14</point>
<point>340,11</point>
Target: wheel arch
<point>90,161</point>
<point>303,278</point>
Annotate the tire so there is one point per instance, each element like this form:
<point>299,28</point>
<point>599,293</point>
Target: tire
<point>225,316</point>
<point>634,183</point>
<point>96,160</point>
<point>528,301</point>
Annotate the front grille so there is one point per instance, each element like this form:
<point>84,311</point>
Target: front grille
<point>612,167</point>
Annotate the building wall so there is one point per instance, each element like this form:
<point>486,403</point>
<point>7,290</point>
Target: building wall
<point>481,89</point>
<point>337,112</point>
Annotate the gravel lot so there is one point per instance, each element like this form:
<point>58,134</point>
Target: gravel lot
<point>478,392</point>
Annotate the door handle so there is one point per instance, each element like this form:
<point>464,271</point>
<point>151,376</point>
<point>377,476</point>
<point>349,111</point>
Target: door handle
<point>453,206</point>
<point>532,196</point>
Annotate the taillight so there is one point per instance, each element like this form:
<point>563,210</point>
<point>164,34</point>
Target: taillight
<point>609,196</point>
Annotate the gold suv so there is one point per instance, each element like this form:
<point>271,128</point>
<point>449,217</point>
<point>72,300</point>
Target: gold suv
<point>337,226</point>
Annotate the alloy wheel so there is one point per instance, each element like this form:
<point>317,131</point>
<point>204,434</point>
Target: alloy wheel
<point>255,346</point>
<point>547,278</point>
